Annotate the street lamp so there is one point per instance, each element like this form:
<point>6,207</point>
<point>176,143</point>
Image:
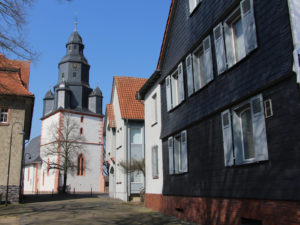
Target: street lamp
<point>9,156</point>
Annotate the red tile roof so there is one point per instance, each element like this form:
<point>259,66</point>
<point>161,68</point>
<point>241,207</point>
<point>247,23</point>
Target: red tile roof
<point>110,113</point>
<point>127,88</point>
<point>14,77</point>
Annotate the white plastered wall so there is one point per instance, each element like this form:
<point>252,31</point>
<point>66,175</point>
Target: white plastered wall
<point>152,137</point>
<point>118,182</point>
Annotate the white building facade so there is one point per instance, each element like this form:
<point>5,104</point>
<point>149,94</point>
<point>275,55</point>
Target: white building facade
<point>150,93</point>
<point>124,132</point>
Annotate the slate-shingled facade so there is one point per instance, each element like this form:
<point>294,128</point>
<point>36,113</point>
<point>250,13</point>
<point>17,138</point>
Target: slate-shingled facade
<point>238,160</point>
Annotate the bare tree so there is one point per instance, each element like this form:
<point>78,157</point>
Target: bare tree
<point>65,145</point>
<point>134,166</point>
<point>13,21</point>
<point>13,14</point>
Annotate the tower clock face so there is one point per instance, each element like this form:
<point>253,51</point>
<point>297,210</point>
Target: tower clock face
<point>75,66</point>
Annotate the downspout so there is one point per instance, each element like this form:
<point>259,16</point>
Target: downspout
<point>127,152</point>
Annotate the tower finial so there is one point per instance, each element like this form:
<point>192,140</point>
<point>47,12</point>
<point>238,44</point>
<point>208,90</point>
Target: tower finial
<point>76,21</point>
<point>97,83</point>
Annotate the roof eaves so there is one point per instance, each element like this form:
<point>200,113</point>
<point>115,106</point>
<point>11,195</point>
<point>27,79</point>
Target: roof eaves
<point>165,34</point>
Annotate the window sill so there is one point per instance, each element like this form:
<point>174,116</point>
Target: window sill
<point>179,174</point>
<point>155,178</point>
<point>4,124</point>
<point>249,163</point>
<point>177,106</point>
<point>153,124</point>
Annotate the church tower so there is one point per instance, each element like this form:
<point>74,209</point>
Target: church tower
<point>72,96</point>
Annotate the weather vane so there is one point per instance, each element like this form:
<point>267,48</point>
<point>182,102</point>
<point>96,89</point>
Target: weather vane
<point>76,21</point>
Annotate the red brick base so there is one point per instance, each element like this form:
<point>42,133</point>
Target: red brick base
<point>218,211</point>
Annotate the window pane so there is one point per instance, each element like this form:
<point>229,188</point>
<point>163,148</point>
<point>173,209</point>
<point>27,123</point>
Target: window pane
<point>199,68</point>
<point>135,136</point>
<point>175,88</point>
<point>238,39</point>
<point>247,131</point>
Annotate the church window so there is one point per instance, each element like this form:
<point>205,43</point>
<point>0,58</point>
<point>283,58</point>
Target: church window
<point>81,165</point>
<point>62,75</point>
<point>81,130</point>
<point>75,47</point>
<point>28,172</point>
<point>81,119</point>
<point>69,47</point>
<point>74,74</point>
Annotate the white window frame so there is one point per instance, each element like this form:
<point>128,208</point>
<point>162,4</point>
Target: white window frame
<point>193,4</point>
<point>234,153</point>
<point>154,157</point>
<point>175,88</point>
<point>4,115</point>
<point>154,108</point>
<point>249,32</point>
<point>202,64</point>
<point>178,157</point>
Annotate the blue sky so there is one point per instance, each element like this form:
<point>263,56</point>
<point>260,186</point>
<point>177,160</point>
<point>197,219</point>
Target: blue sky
<point>121,37</point>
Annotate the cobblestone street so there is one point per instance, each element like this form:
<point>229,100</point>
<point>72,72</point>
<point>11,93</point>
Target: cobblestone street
<point>83,211</point>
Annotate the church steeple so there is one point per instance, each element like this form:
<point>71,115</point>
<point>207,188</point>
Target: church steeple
<point>72,90</point>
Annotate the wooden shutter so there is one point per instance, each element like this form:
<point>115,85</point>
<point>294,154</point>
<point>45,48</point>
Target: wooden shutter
<point>176,147</point>
<point>249,28</point>
<point>237,134</point>
<point>168,93</point>
<point>196,73</point>
<point>184,156</point>
<point>189,72</point>
<point>229,45</point>
<point>181,83</point>
<point>171,155</point>
<point>220,48</point>
<point>259,128</point>
<point>192,5</point>
<point>227,138</point>
<point>208,60</point>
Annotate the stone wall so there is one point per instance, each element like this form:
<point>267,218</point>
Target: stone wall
<point>13,193</point>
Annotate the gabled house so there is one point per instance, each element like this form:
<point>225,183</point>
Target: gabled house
<point>151,94</point>
<point>32,165</point>
<point>124,132</point>
<point>16,109</point>
<point>230,105</point>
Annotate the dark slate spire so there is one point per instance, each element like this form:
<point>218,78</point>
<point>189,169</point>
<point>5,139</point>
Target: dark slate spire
<point>74,50</point>
<point>49,95</point>
<point>96,92</point>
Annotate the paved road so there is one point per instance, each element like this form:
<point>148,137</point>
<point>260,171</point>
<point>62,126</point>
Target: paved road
<point>83,211</point>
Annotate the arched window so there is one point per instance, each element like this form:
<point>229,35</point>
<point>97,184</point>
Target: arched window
<point>80,165</point>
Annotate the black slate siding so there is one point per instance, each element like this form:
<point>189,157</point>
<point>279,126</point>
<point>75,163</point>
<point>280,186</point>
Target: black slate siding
<point>266,70</point>
<point>274,179</point>
<point>271,61</point>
